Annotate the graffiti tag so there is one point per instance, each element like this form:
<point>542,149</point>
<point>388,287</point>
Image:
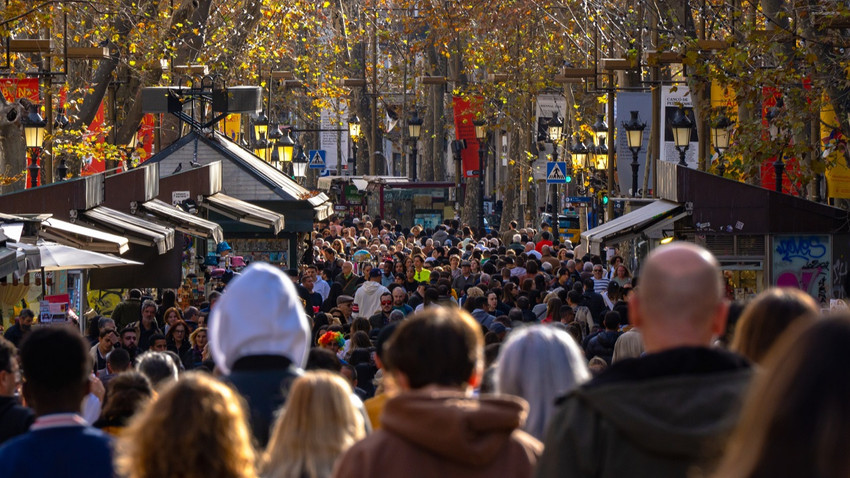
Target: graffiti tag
<point>800,247</point>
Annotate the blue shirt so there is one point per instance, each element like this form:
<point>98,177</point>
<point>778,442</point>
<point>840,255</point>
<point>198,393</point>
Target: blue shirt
<point>58,446</point>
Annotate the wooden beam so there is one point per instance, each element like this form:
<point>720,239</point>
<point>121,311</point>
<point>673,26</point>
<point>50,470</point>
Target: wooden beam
<point>498,77</point>
<point>618,64</point>
<point>352,82</point>
<point>655,58</point>
<point>563,79</point>
<point>31,46</point>
<point>578,72</point>
<point>192,69</point>
<point>87,53</point>
<point>293,84</point>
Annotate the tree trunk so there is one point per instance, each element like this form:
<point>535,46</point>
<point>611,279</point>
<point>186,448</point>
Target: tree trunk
<point>13,147</point>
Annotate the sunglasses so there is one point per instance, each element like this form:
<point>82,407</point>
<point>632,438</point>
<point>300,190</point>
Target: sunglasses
<point>386,302</point>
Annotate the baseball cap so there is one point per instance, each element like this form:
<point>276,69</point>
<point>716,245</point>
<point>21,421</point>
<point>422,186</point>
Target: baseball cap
<point>375,272</point>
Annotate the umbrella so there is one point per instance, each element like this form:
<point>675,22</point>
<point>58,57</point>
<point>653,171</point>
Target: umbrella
<point>59,257</point>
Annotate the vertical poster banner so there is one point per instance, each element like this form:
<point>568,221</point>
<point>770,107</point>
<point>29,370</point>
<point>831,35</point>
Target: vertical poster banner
<point>233,126</point>
<point>626,102</point>
<point>14,88</point>
<point>464,112</point>
<point>334,137</point>
<point>838,175</point>
<point>145,136</point>
<point>671,98</point>
<point>93,165</point>
<point>803,262</point>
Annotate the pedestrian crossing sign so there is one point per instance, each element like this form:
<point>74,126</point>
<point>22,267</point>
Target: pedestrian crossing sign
<point>556,172</point>
<point>317,159</point>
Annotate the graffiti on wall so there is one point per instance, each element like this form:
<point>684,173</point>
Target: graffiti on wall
<point>804,262</point>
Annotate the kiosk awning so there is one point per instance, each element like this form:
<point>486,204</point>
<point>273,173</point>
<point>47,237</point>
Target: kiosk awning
<point>136,229</point>
<point>243,211</point>
<point>620,228</point>
<point>83,237</point>
<point>185,222</point>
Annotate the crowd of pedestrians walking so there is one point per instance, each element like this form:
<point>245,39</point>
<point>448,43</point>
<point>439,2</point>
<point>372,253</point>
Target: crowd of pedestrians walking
<point>396,352</point>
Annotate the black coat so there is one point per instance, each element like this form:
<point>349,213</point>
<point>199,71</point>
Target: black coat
<point>14,419</point>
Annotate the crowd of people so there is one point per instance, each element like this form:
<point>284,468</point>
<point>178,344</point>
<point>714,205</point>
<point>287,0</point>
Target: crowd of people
<point>395,352</point>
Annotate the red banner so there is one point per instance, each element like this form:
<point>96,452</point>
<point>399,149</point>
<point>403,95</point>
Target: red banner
<point>14,88</point>
<point>465,112</point>
<point>771,97</point>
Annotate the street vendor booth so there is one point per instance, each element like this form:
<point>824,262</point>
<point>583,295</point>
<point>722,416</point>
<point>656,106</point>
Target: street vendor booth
<point>760,237</point>
<point>241,202</point>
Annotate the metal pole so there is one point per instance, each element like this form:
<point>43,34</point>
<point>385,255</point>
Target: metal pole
<point>555,201</point>
<point>779,167</point>
<point>414,154</point>
<point>682,161</point>
<point>635,168</point>
<point>481,152</point>
<point>34,168</point>
<point>374,130</point>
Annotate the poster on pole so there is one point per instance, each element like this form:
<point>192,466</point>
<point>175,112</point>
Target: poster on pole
<point>671,98</point>
<point>464,113</point>
<point>626,102</point>
<point>334,137</point>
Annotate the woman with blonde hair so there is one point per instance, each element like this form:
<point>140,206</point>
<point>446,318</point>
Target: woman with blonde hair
<point>767,316</point>
<point>794,420</point>
<point>318,424</point>
<point>203,419</point>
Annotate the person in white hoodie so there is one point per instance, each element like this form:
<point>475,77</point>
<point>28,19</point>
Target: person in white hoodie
<point>260,337</point>
<point>367,299</point>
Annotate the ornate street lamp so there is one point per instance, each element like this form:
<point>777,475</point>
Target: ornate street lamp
<point>299,164</point>
<point>579,153</point>
<point>682,127</point>
<point>354,134</point>
<point>776,134</point>
<point>34,126</point>
<point>261,127</point>
<point>414,129</point>
<point>721,133</point>
<point>634,134</point>
<point>600,130</point>
<point>481,135</point>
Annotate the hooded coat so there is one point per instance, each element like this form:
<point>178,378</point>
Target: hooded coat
<point>428,433</point>
<point>260,337</point>
<point>368,299</point>
<point>657,416</point>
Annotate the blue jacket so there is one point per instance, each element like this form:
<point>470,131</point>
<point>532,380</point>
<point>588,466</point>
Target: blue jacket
<point>61,452</point>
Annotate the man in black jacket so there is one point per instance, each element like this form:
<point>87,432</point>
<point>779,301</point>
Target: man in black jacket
<point>14,419</point>
<point>594,302</point>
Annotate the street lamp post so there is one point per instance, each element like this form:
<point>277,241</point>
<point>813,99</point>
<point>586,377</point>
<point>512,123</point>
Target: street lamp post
<point>634,134</point>
<point>34,126</point>
<point>481,135</point>
<point>414,129</point>
<point>284,147</point>
<point>681,126</point>
<point>775,134</point>
<point>261,128</point>
<point>720,132</point>
<point>354,134</point>
<point>556,128</point>
<point>299,164</point>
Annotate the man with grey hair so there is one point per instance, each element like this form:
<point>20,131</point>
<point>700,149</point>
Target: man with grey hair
<point>158,367</point>
<point>147,326</point>
<point>670,410</point>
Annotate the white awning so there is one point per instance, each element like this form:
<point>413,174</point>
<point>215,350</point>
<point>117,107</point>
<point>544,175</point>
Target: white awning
<point>185,222</point>
<point>136,229</point>
<point>244,211</point>
<point>83,237</point>
<point>622,227</point>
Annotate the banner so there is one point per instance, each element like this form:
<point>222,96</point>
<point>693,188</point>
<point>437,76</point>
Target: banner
<point>838,176</point>
<point>334,137</point>
<point>14,88</point>
<point>770,98</point>
<point>671,98</point>
<point>464,113</point>
<point>626,102</point>
<point>233,126</point>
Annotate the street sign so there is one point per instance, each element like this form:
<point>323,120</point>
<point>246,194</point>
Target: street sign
<point>340,207</point>
<point>556,172</point>
<point>317,158</point>
<point>578,199</point>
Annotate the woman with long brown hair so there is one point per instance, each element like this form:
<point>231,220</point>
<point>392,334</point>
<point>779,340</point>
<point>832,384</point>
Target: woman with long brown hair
<point>796,420</point>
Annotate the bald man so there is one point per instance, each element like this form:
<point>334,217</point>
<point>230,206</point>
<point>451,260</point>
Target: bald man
<point>670,410</point>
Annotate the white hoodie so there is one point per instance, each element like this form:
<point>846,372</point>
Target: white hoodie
<point>259,313</point>
<point>367,299</point>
